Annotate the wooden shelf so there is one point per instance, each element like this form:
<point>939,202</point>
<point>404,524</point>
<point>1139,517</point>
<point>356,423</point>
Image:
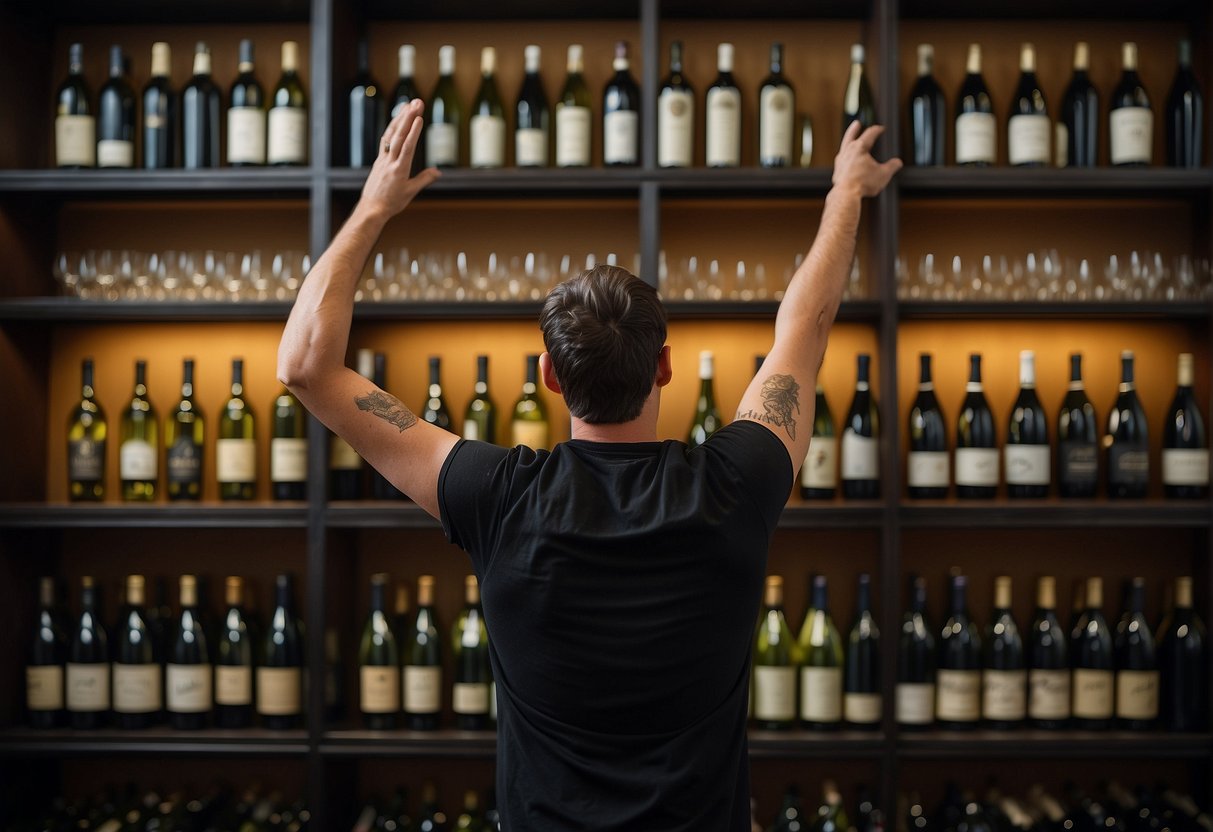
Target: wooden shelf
<point>153,516</point>
<point>81,12</point>
<point>1056,514</point>
<point>1132,183</point>
<point>460,10</point>
<point>1179,10</point>
<point>60,742</point>
<point>1052,744</point>
<point>218,183</point>
<point>1197,310</point>
<point>509,183</point>
<point>744,181</point>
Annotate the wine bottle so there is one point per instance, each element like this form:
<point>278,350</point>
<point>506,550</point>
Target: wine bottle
<point>976,441</point>
<point>86,432</point>
<point>1091,659</point>
<point>1185,447</point>
<point>345,465</point>
<point>469,818</point>
<point>1026,455</point>
<point>44,666</point>
<point>821,662</point>
<point>928,111</point>
<point>1077,454</point>
<point>287,144</point>
<point>234,661</point>
<point>1048,662</point>
<point>529,425</point>
<point>138,449</point>
<point>201,105</point>
<point>136,671</point>
<point>1028,126</point>
<point>532,118</point>
<point>861,440</point>
<point>423,663</point>
<point>1130,119</point>
<point>958,678</point>
<point>975,125</point>
<point>116,117</point>
<point>365,99</point>
<point>1004,680</point>
<point>480,420</point>
<point>435,410</point>
<point>927,461</point>
<point>288,448</point>
<point>915,705</point>
<point>236,449</point>
<point>1136,664</point>
<point>573,112</point>
<point>443,115</point>
<point>857,103</point>
<point>160,112</point>
<point>379,664</point>
<point>246,114</point>
<point>87,674</point>
<point>1183,662</point>
<point>487,124</point>
<point>279,674</point>
<point>75,124</point>
<point>188,675</point>
<point>621,114</point>
<point>470,641</point>
<point>707,416</point>
<point>723,106</point>
<point>1078,122</point>
<point>675,116</point>
<point>774,663</point>
<point>862,704</point>
<point>184,431</point>
<point>381,489</point>
<point>776,114</point>
<point>1185,114</point>
<point>819,474</point>
<point>1127,438</point>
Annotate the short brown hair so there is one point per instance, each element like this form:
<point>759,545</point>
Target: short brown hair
<point>604,330</point>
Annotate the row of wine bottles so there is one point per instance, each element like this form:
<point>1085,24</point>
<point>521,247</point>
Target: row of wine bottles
<point>1034,138</point>
<point>1090,679</point>
<point>831,814</point>
<point>394,815</point>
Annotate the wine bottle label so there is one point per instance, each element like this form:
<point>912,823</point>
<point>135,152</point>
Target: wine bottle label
<point>75,141</point>
<point>1026,464</point>
<point>620,131</point>
<point>85,460</point>
<point>379,692</point>
<point>189,688</point>
<point>288,459</point>
<point>1028,139</point>
<point>183,462</point>
<point>422,689</point>
<point>342,456</point>
<point>1079,463</point>
<point>136,688</point>
<point>724,127</point>
<point>236,460</point>
<point>470,698</point>
<point>488,141</point>
<point>572,136</point>
<point>775,694</point>
<point>821,694</point>
<point>493,701</point>
<point>1185,466</point>
<point>1061,145</point>
<point>530,147</point>
<point>775,110</point>
<point>1132,136</point>
<point>233,685</point>
<point>287,136</point>
<point>1129,465</point>
<point>1093,693</point>
<point>915,703</point>
<point>44,687</point>
<point>860,456</point>
<point>675,128</point>
<point>1004,694</point>
<point>532,434</point>
<point>115,153</point>
<point>1049,694</point>
<point>862,708</point>
<point>246,136</point>
<point>441,145</point>
<point>820,469</point>
<point>88,687</point>
<point>959,695</point>
<point>1137,694</point>
<point>279,691</point>
<point>977,466</point>
<point>927,469</point>
<point>137,460</point>
<point>975,138</point>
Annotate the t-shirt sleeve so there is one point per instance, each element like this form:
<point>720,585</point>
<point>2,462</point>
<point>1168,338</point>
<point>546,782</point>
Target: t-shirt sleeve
<point>472,487</point>
<point>760,459</point>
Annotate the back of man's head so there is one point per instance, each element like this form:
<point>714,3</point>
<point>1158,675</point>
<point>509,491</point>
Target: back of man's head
<point>604,330</point>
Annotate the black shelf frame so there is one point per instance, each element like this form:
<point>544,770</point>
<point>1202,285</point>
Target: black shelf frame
<point>153,516</point>
<point>23,743</point>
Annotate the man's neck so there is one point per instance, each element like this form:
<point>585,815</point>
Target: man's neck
<point>637,430</point>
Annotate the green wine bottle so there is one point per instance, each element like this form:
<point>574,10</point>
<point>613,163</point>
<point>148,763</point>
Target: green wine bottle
<point>138,691</point>
<point>280,673</point>
<point>775,659</point>
<point>234,661</point>
<point>184,432</point>
<point>530,423</point>
<point>288,448</point>
<point>480,421</point>
<point>470,697</point>
<point>707,416</point>
<point>819,474</point>
<point>487,124</point>
<point>138,452</point>
<point>573,115</point>
<point>423,663</point>
<point>443,116</point>
<point>821,669</point>
<point>435,411</point>
<point>86,430</point>
<point>379,663</point>
<point>188,676</point>
<point>288,113</point>
<point>236,449</point>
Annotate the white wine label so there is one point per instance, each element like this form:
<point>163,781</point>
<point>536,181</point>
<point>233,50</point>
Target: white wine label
<point>115,153</point>
<point>75,141</point>
<point>288,459</point>
<point>1004,694</point>
<point>1131,137</point>
<point>915,703</point>
<point>977,466</point>
<point>1079,462</point>
<point>1137,694</point>
<point>136,688</point>
<point>775,694</point>
<point>860,456</point>
<point>775,109</point>
<point>530,147</point>
<point>1049,694</point>
<point>675,128</point>
<point>488,141</point>
<point>44,688</point>
<point>821,464</point>
<point>724,127</point>
<point>88,687</point>
<point>927,469</point>
<point>183,462</point>
<point>1061,145</point>
<point>821,694</point>
<point>189,688</point>
<point>235,460</point>
<point>246,136</point>
<point>422,689</point>
<point>342,456</point>
<point>85,460</point>
<point>470,698</point>
<point>1026,464</point>
<point>532,434</point>
<point>1128,465</point>
<point>379,692</point>
<point>441,145</point>
<point>975,138</point>
<point>1185,466</point>
<point>1028,139</point>
<point>572,136</point>
<point>493,701</point>
<point>471,430</point>
<point>279,691</point>
<point>1093,693</point>
<point>233,685</point>
<point>958,695</point>
<point>287,136</point>
<point>137,460</point>
<point>620,142</point>
<point>862,708</point>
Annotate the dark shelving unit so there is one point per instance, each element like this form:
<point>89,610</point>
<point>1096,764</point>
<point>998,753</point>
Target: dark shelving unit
<point>157,742</point>
<point>1055,514</point>
<point>153,516</point>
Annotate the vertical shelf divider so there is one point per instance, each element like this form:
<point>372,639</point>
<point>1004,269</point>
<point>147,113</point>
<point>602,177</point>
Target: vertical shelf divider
<point>650,194</point>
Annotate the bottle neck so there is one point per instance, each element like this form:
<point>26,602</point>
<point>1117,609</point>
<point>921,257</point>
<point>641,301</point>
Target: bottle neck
<point>237,378</point>
<point>821,596</point>
<point>377,600</point>
<point>282,597</point>
<point>863,599</point>
<point>958,598</point>
<point>86,380</point>
<point>532,373</point>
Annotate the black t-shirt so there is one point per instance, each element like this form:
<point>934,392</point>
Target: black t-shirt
<point>621,583</point>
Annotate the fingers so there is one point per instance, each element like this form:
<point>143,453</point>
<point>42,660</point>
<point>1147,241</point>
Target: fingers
<point>867,140</point>
<point>396,131</point>
<point>850,133</point>
<point>426,178</point>
<point>404,144</point>
<point>892,166</point>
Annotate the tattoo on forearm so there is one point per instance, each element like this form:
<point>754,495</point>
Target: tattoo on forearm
<point>388,408</point>
<point>780,400</point>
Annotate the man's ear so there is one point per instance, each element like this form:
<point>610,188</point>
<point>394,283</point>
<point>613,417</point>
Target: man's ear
<point>665,369</point>
<point>549,374</point>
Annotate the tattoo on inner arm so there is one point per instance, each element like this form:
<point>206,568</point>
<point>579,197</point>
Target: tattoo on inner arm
<point>388,408</point>
<point>780,400</point>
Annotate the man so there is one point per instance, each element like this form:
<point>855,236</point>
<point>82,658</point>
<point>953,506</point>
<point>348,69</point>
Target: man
<point>620,575</point>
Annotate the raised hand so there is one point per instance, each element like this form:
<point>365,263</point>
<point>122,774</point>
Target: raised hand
<point>854,165</point>
<point>390,188</point>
